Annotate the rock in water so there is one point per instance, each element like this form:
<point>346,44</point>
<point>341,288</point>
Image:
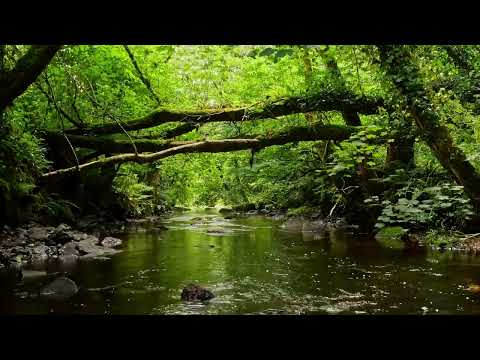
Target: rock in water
<point>40,253</point>
<point>38,233</point>
<point>111,242</point>
<point>61,288</point>
<point>195,292</point>
<point>69,248</point>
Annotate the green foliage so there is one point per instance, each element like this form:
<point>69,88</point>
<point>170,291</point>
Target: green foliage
<point>136,197</point>
<point>22,158</point>
<point>414,205</point>
<point>441,238</point>
<point>97,84</point>
<point>358,149</point>
<point>56,208</point>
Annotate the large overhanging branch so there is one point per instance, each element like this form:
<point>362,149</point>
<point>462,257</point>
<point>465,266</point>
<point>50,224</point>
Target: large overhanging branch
<point>112,146</point>
<point>14,82</point>
<point>326,101</point>
<point>319,132</point>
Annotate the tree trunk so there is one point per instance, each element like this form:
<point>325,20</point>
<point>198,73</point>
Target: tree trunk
<point>14,83</point>
<point>366,219</point>
<point>324,148</point>
<point>351,117</point>
<point>400,67</point>
<point>401,152</point>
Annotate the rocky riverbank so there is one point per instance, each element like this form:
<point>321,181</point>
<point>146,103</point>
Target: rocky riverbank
<point>36,244</point>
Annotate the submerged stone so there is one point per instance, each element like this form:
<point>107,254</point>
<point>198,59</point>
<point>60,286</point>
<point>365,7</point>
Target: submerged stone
<point>60,289</point>
<point>69,248</point>
<point>194,292</point>
<point>216,230</point>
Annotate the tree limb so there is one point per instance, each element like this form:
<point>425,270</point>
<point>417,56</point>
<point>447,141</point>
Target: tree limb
<point>319,132</point>
<point>108,145</point>
<point>327,101</point>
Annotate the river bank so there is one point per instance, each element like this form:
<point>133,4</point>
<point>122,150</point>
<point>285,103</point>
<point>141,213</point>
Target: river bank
<point>93,237</point>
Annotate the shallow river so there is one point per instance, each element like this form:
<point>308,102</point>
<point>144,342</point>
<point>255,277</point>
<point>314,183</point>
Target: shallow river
<point>254,266</point>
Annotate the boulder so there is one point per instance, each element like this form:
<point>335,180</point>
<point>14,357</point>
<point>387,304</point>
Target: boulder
<point>68,259</point>
<point>317,225</point>
<point>69,248</point>
<point>61,288</point>
<point>21,234</point>
<point>61,235</point>
<point>225,211</point>
<point>38,233</point>
<point>63,227</point>
<point>194,292</point>
<point>111,242</point>
<point>40,253</point>
<point>78,236</point>
<point>89,246</point>
<point>215,230</point>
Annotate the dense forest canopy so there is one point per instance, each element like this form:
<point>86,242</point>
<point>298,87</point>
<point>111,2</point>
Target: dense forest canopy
<point>381,135</point>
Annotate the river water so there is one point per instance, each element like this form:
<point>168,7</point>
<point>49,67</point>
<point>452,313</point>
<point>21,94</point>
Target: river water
<point>254,266</point>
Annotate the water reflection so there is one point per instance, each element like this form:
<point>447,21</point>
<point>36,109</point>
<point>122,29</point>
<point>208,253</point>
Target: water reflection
<point>255,267</point>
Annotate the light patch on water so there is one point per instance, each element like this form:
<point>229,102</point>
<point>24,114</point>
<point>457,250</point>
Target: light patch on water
<point>345,306</point>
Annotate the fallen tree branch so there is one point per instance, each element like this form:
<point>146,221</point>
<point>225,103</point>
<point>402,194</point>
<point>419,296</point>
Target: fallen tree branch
<point>321,132</point>
<point>107,145</point>
<point>327,101</point>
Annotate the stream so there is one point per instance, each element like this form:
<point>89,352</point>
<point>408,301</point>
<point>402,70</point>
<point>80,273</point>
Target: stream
<point>254,266</point>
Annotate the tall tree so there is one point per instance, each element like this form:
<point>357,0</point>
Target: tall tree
<point>13,83</point>
<point>401,68</point>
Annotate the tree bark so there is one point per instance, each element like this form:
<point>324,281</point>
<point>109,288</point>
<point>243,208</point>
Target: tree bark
<point>14,83</point>
<point>351,117</point>
<point>114,146</point>
<point>459,57</point>
<point>327,101</point>
<point>401,152</point>
<point>320,132</point>
<point>400,67</point>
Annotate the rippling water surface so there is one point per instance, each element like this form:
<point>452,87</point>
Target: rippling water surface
<point>256,267</point>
